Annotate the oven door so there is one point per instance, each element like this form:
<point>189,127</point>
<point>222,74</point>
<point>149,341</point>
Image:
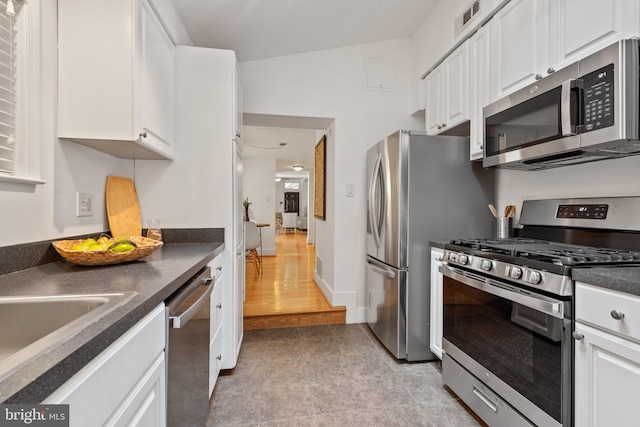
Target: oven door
<point>516,342</point>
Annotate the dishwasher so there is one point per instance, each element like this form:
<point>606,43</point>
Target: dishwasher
<point>188,315</point>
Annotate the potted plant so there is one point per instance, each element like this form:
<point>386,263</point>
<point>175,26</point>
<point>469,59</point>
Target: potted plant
<point>246,204</point>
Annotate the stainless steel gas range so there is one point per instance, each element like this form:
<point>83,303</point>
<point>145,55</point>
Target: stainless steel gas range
<point>508,306</point>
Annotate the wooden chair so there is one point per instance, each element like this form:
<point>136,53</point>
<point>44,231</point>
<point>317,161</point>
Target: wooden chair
<point>251,243</point>
<point>278,222</point>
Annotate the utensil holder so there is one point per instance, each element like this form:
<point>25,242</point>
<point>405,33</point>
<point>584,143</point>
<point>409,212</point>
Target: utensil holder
<point>154,232</point>
<point>503,227</point>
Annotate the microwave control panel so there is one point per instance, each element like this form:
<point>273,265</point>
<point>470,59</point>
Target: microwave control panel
<point>598,99</point>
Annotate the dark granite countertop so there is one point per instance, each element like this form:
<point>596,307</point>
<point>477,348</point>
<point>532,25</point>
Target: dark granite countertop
<point>153,278</point>
<point>438,243</point>
<point>622,279</point>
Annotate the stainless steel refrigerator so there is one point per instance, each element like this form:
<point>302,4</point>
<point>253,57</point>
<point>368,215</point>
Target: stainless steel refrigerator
<point>421,188</point>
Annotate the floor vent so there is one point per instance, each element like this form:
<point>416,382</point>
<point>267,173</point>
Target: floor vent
<point>462,21</point>
<point>319,266</point>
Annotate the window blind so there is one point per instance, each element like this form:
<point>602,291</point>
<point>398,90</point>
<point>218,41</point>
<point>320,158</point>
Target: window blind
<point>7,90</point>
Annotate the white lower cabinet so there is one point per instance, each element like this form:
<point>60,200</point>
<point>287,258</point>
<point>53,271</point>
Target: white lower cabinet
<point>215,331</point>
<point>435,314</point>
<point>123,385</point>
<point>607,357</point>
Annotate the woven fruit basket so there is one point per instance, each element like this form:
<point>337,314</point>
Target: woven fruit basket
<point>105,257</point>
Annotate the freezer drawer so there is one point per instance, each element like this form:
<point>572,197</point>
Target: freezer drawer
<point>385,310</point>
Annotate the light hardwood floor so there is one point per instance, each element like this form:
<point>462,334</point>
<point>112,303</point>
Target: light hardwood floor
<point>284,293</point>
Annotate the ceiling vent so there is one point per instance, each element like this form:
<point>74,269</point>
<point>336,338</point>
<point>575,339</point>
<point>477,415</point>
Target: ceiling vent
<point>468,14</point>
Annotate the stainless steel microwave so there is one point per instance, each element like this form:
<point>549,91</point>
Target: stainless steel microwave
<point>587,111</point>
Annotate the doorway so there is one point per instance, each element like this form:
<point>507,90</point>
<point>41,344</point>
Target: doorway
<point>291,202</point>
<point>270,154</point>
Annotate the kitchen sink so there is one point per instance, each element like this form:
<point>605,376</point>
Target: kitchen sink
<point>31,325</point>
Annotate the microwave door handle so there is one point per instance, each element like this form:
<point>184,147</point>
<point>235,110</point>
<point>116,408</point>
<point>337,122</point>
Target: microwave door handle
<point>568,128</point>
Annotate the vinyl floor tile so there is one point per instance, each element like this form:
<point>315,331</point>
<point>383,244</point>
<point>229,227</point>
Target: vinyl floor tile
<point>331,376</point>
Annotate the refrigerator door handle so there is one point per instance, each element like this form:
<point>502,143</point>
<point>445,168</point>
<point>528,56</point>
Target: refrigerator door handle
<point>380,268</point>
<point>374,218</point>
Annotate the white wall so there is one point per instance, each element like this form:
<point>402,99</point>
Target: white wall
<point>259,186</point>
<point>332,83</point>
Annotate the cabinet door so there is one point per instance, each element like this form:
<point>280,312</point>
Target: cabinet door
<point>137,361</point>
<point>433,112</point>
<point>519,45</point>
<point>581,27</point>
<point>607,379</point>
<point>156,81</point>
<point>435,328</point>
<point>456,96</point>
<point>480,87</point>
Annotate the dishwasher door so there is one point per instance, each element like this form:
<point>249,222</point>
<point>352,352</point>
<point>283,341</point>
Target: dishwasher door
<point>188,312</point>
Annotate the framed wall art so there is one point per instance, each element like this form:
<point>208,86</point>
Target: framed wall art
<point>319,208</point>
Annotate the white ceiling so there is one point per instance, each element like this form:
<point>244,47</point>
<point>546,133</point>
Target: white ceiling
<point>258,29</point>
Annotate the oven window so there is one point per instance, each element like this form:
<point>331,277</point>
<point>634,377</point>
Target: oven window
<point>499,335</point>
<point>531,122</point>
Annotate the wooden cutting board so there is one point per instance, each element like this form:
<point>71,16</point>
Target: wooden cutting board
<point>123,210</point>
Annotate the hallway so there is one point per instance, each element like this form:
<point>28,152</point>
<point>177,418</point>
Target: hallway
<point>284,294</point>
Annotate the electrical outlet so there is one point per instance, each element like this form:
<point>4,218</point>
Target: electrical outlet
<point>84,204</point>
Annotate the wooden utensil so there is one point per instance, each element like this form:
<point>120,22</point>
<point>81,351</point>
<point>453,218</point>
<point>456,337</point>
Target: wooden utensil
<point>493,210</point>
<point>509,211</point>
<point>123,210</point>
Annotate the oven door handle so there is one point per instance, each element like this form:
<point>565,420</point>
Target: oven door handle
<point>539,303</point>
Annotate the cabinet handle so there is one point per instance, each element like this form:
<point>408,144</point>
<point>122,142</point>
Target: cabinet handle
<point>444,125</point>
<point>578,336</point>
<point>219,305</point>
<point>617,314</point>
<point>538,76</point>
<point>550,70</point>
<point>481,146</point>
<point>439,126</point>
<point>143,134</point>
<point>219,357</point>
<point>219,268</point>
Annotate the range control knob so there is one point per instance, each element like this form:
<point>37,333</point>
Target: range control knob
<point>453,257</point>
<point>463,259</point>
<point>486,265</point>
<point>534,277</point>
<point>515,272</point>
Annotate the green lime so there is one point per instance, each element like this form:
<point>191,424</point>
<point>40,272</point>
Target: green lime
<point>122,247</point>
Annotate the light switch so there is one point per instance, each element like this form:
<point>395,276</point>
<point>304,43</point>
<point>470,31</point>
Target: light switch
<point>348,191</point>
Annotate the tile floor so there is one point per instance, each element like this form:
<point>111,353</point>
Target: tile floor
<point>333,375</point>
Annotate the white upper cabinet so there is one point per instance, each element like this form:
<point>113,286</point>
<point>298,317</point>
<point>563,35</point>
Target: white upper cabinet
<point>480,87</point>
<point>116,82</point>
<point>447,92</point>
<point>581,27</point>
<point>433,100</point>
<point>519,46</point>
<point>534,38</point>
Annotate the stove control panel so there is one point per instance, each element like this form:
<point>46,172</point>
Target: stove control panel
<point>514,274</point>
<point>583,211</point>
